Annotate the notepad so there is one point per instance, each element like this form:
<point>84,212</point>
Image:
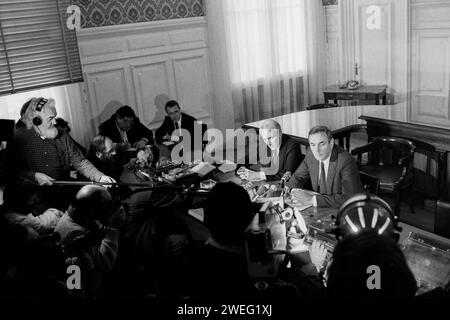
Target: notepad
<point>203,168</point>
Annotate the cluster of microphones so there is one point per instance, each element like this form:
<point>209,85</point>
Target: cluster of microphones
<point>265,189</point>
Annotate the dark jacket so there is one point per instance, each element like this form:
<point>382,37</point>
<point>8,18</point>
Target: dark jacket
<point>343,179</point>
<point>168,126</point>
<point>290,157</point>
<point>134,134</point>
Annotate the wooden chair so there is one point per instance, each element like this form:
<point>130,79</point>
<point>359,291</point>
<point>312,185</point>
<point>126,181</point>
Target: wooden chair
<point>390,160</point>
<point>370,183</point>
<point>321,106</point>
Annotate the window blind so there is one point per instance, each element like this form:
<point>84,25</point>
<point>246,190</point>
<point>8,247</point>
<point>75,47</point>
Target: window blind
<point>37,49</point>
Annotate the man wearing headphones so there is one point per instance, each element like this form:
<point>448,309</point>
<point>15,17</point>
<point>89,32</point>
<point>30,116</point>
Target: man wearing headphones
<point>41,154</point>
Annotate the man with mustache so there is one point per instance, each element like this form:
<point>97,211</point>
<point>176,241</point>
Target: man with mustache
<point>41,154</point>
<point>329,169</point>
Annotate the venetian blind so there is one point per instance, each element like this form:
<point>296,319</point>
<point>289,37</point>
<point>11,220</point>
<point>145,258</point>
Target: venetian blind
<point>37,49</point>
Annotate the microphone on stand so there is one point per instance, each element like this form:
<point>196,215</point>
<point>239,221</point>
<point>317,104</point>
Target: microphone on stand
<point>285,178</point>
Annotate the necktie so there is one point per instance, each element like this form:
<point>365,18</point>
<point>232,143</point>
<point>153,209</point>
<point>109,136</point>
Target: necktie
<point>322,180</point>
<point>176,125</point>
<point>274,158</point>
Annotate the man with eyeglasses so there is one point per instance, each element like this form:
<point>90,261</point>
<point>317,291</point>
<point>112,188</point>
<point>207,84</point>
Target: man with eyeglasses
<point>285,153</point>
<point>125,130</point>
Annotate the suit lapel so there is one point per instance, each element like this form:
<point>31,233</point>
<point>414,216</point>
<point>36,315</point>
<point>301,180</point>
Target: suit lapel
<point>282,151</point>
<point>332,170</point>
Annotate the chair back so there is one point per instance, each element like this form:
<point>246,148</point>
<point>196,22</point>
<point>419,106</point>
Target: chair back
<point>370,183</point>
<point>442,219</point>
<point>321,106</point>
<point>391,150</point>
<point>6,129</point>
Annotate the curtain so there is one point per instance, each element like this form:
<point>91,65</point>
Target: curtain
<point>267,56</point>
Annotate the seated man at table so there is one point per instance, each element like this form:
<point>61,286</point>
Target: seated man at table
<point>170,132</point>
<point>285,153</point>
<point>125,130</point>
<point>329,169</point>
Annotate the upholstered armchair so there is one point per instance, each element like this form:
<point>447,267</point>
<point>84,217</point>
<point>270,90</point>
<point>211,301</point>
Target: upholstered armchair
<point>390,160</point>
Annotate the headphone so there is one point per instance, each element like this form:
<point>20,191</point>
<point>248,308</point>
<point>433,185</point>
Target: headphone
<point>37,121</point>
<point>364,212</point>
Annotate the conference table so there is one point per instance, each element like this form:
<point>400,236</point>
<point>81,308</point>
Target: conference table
<point>432,142</point>
<point>340,120</point>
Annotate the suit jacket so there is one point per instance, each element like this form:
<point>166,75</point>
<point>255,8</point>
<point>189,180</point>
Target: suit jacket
<point>168,126</point>
<point>289,158</point>
<point>134,134</point>
<point>343,179</point>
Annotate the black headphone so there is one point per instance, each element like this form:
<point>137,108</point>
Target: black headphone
<point>366,212</point>
<point>37,121</point>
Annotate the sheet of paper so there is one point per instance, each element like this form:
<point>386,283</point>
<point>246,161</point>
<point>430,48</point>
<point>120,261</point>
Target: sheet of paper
<point>256,176</point>
<point>300,207</point>
<point>203,168</point>
<point>227,166</point>
<point>197,213</point>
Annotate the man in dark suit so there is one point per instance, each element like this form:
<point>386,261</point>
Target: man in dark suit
<point>285,153</point>
<point>330,170</point>
<point>173,122</point>
<point>125,130</point>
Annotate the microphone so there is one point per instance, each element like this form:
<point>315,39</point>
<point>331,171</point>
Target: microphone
<point>263,188</point>
<point>285,178</point>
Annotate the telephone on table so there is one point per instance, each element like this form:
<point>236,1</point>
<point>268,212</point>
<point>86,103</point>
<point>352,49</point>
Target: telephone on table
<point>351,85</point>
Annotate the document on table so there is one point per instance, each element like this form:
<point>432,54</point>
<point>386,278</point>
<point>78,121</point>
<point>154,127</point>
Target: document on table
<point>203,168</point>
<point>227,166</point>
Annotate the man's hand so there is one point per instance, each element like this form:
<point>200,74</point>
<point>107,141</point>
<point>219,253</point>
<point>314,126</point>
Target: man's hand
<point>42,179</point>
<point>317,253</point>
<point>302,196</point>
<point>294,242</point>
<point>243,173</point>
<point>166,137</point>
<point>140,144</point>
<point>108,180</point>
<point>49,219</point>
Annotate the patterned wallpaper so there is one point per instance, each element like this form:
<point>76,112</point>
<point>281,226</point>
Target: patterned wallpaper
<point>329,2</point>
<point>97,13</point>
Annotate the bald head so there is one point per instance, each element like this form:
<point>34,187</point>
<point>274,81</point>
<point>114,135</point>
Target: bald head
<point>270,132</point>
<point>92,202</point>
<point>271,124</point>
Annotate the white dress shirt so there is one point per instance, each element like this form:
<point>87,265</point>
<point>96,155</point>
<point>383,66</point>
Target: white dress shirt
<point>326,164</point>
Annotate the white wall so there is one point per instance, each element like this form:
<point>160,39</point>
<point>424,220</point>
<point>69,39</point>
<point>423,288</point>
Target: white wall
<point>381,54</point>
<point>143,65</point>
<point>430,62</point>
